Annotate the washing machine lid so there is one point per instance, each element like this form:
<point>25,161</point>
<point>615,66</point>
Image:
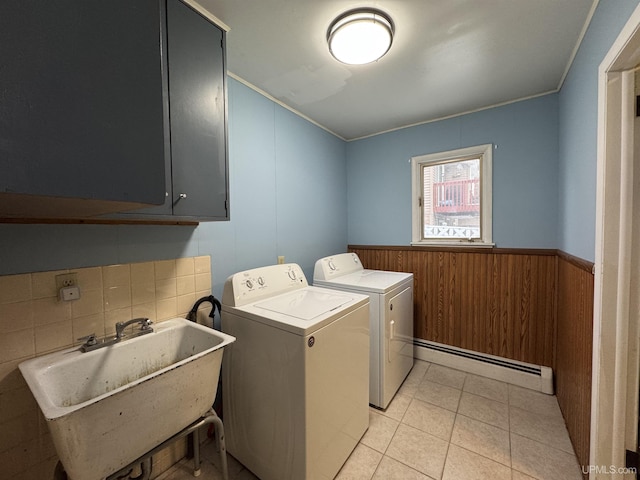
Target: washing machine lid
<point>305,304</point>
<point>369,281</point>
<point>302,311</point>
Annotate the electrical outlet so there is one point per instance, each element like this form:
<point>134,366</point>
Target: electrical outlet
<point>280,259</point>
<point>66,280</point>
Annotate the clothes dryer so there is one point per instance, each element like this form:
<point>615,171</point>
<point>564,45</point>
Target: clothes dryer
<point>295,385</point>
<point>391,318</point>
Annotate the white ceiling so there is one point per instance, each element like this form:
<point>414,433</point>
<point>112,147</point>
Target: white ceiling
<point>448,57</point>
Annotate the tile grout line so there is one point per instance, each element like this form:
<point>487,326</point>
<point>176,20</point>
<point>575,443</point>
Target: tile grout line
<point>446,457</point>
<point>400,422</point>
<point>510,466</point>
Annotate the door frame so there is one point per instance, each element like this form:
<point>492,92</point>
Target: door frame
<point>614,396</point>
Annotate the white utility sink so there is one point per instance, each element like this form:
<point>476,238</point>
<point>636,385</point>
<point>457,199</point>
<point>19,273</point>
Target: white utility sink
<point>107,407</point>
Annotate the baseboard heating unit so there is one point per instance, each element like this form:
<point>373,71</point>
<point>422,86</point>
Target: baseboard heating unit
<point>534,377</point>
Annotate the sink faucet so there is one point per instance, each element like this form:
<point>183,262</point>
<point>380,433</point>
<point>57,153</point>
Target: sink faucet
<point>93,343</point>
<point>145,326</point>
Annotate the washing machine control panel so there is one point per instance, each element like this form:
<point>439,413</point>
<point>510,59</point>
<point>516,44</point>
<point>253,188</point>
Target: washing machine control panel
<point>252,285</point>
<point>337,265</point>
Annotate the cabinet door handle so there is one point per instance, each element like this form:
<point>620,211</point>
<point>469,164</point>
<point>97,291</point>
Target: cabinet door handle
<point>180,197</point>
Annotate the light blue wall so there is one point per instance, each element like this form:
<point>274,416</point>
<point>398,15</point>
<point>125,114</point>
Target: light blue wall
<point>578,115</point>
<point>525,170</point>
<point>288,191</point>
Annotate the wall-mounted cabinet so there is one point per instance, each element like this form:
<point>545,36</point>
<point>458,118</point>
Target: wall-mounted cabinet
<point>197,166</point>
<point>111,106</point>
<point>81,112</point>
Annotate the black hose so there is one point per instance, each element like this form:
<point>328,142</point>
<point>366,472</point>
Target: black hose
<point>215,304</point>
<point>193,317</point>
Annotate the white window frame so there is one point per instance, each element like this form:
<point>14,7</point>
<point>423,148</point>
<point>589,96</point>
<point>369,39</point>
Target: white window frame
<point>486,210</point>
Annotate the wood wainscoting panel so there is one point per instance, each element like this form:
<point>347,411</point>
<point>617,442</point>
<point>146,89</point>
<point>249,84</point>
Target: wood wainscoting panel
<point>496,301</point>
<point>535,306</point>
<point>574,350</point>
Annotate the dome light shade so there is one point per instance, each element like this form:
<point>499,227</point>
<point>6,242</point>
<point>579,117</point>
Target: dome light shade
<point>360,36</point>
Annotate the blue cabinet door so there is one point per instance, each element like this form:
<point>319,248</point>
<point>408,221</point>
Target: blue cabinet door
<point>81,102</point>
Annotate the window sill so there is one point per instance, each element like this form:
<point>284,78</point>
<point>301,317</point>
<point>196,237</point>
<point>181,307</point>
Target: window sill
<point>453,244</point>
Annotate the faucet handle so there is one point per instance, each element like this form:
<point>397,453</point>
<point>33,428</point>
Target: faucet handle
<point>89,340</point>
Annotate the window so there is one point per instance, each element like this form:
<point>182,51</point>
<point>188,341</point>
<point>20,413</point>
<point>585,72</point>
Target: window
<point>452,197</point>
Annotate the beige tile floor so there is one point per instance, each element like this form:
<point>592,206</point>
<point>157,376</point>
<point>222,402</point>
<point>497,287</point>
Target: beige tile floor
<point>445,424</point>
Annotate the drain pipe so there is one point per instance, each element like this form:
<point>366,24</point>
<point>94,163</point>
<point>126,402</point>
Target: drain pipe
<point>59,472</point>
<point>145,470</point>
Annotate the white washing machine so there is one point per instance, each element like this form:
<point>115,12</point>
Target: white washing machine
<point>391,318</point>
<point>296,382</point>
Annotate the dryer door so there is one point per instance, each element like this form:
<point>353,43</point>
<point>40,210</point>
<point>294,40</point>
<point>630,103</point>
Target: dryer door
<point>398,342</point>
<point>400,325</point>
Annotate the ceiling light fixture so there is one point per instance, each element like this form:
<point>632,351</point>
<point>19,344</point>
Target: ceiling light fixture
<point>360,36</point>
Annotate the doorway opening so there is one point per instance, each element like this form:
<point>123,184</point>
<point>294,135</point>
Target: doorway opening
<point>616,345</point>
